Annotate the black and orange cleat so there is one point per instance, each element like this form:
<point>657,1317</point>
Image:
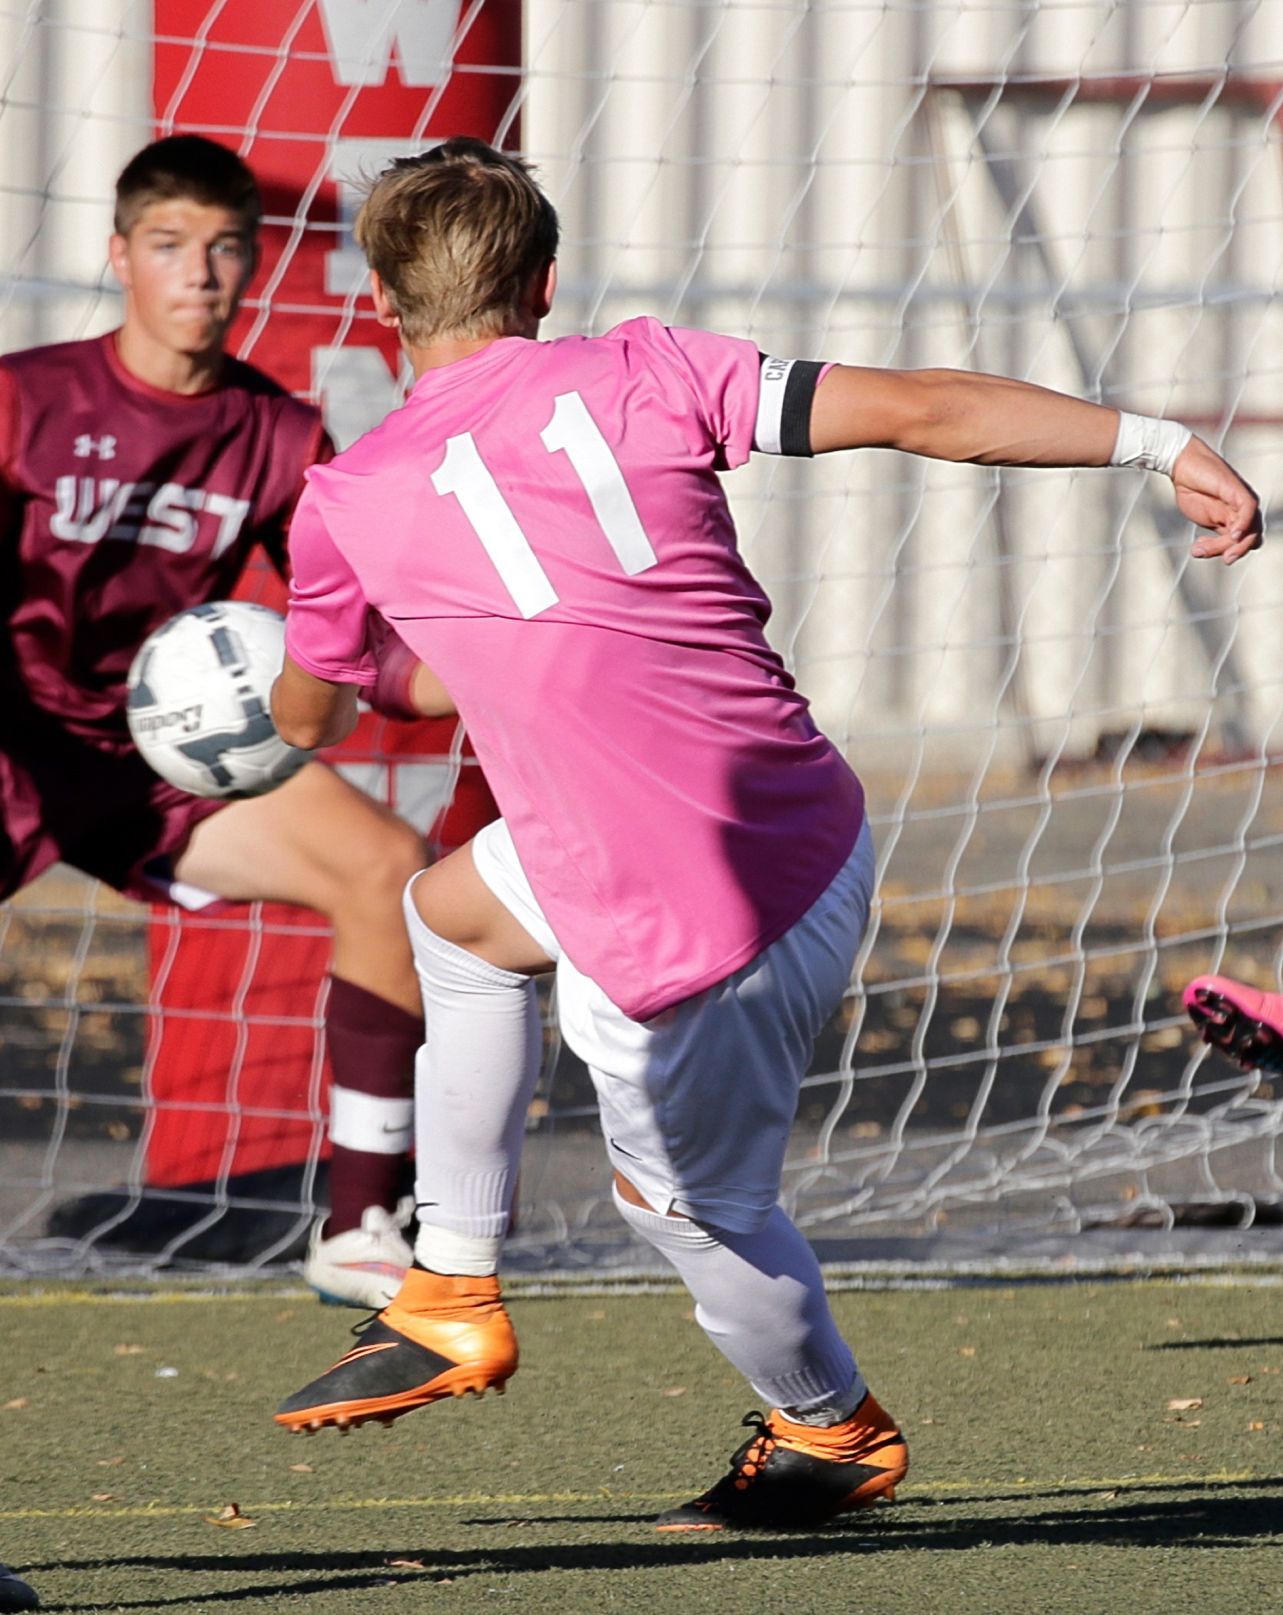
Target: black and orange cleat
<point>789,1475</point>
<point>441,1336</point>
<point>1238,1020</point>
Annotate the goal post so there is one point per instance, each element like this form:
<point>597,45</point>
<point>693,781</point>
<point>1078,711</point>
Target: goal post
<point>1069,730</point>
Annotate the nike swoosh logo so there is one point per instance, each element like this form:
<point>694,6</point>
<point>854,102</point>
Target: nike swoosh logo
<point>366,1351</point>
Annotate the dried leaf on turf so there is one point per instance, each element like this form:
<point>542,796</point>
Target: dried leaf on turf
<point>302,1469</point>
<point>17,1404</point>
<point>1184,1404</point>
<point>128,1351</point>
<point>1239,1379</point>
<point>406,1564</point>
<point>230,1518</point>
<point>102,1497</point>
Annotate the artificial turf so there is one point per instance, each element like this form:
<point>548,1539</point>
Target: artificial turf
<point>1084,1447</point>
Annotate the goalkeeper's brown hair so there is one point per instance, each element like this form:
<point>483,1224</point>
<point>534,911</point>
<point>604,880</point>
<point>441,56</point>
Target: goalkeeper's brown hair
<point>457,236</point>
<point>187,168</point>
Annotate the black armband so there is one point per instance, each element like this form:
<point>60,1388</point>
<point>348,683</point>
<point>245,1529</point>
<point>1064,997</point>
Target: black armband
<point>784,405</point>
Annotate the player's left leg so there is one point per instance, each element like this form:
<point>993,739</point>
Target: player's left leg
<point>319,842</point>
<point>696,1108</point>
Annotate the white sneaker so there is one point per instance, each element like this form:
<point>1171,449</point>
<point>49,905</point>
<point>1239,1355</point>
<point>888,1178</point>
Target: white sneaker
<point>365,1266</point>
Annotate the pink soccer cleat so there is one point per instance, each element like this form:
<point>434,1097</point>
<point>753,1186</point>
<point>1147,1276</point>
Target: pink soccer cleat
<point>1239,1020</point>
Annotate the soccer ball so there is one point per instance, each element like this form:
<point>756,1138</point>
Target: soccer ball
<point>199,701</point>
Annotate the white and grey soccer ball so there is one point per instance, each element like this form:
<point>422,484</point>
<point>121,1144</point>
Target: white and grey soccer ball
<point>199,701</point>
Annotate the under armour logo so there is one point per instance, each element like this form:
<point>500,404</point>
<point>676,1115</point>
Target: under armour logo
<point>86,446</point>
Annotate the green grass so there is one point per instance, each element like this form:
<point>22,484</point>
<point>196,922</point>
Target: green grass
<point>1050,1472</point>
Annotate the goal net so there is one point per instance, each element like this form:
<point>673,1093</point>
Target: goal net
<point>1068,730</point>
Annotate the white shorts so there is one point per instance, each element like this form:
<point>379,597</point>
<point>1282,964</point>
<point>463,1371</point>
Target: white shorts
<point>696,1104</point>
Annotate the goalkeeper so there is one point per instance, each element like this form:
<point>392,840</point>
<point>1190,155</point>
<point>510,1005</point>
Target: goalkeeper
<point>138,471</point>
<point>544,526</point>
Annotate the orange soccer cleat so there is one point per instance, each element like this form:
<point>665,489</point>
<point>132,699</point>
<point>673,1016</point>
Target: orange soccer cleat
<point>790,1475</point>
<point>1241,1021</point>
<point>441,1336</point>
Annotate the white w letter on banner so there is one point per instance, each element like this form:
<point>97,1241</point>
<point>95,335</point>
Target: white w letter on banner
<point>360,34</point>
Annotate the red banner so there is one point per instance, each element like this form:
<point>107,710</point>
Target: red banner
<point>316,96</point>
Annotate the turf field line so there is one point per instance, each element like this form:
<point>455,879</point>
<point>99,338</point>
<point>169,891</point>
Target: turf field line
<point>923,1489</point>
<point>93,1298</point>
<point>577,1287</point>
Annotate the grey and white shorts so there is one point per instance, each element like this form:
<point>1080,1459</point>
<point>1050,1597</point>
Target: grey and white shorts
<point>697,1103</point>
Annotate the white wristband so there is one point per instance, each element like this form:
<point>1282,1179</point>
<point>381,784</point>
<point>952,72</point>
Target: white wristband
<point>1148,443</point>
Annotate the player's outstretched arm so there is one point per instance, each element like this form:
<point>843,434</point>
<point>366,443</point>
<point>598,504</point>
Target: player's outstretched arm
<point>993,420</point>
<point>309,711</point>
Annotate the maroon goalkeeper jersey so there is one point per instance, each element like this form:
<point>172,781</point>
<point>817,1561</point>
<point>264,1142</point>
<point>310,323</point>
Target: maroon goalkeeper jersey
<point>121,504</point>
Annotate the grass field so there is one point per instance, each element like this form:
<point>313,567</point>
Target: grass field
<point>1102,1447</point>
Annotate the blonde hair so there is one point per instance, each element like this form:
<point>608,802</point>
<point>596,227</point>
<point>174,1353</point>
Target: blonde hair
<point>457,235</point>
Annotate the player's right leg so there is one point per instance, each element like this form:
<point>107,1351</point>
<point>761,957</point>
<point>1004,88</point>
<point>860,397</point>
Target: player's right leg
<point>316,841</point>
<point>1240,1021</point>
<point>447,1332</point>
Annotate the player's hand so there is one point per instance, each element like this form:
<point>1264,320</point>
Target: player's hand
<point>391,692</point>
<point>1213,495</point>
<point>403,687</point>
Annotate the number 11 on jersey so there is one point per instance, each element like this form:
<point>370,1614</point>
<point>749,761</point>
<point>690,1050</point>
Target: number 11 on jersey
<point>572,432</point>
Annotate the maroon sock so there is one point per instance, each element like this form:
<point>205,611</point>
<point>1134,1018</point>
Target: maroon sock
<point>371,1044</point>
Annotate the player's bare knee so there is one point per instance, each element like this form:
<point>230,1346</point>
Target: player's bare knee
<point>376,868</point>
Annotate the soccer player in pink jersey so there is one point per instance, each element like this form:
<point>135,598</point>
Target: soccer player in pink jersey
<point>544,527</point>
<point>138,471</point>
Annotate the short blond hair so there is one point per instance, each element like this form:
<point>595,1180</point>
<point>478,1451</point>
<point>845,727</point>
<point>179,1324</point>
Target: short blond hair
<point>457,235</point>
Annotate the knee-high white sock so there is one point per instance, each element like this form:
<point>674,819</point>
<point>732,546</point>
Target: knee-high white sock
<point>474,1078</point>
<point>760,1299</point>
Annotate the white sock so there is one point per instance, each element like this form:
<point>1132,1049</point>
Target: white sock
<point>441,1250</point>
<point>760,1299</point>
<point>473,1082</point>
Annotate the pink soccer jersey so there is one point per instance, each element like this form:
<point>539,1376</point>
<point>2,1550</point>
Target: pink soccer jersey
<point>544,525</point>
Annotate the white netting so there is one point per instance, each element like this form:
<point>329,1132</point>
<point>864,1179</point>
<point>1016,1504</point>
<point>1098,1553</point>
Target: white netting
<point>1067,730</point>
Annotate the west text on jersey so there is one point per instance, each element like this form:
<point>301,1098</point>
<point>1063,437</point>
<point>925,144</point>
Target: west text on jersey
<point>166,515</point>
